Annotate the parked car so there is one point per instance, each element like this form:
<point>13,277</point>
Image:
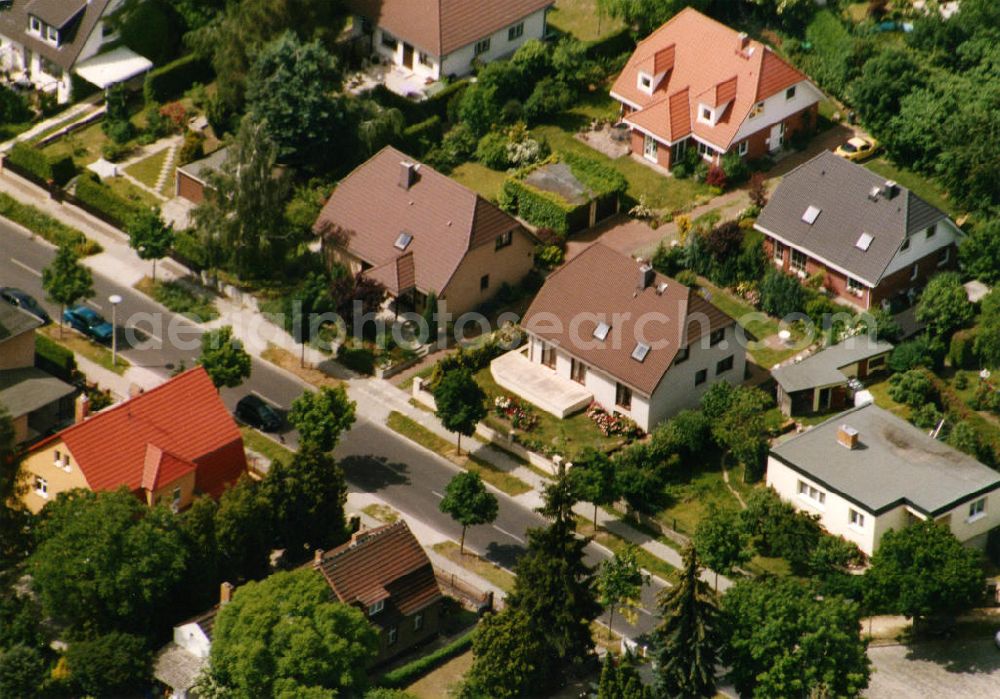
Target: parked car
<point>258,413</point>
<point>857,148</point>
<point>89,322</point>
<point>25,301</point>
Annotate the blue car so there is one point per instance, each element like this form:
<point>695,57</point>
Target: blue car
<point>89,322</point>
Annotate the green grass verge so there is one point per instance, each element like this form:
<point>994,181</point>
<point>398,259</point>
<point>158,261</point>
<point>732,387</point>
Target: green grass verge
<point>416,432</point>
<point>490,572</point>
<point>480,179</point>
<point>86,348</point>
<point>179,299</point>
<point>254,440</point>
<point>148,169</point>
<point>690,499</point>
<point>383,513</point>
<point>51,229</point>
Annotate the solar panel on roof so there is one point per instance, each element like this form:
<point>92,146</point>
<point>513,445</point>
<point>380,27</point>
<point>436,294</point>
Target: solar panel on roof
<point>811,214</point>
<point>601,331</point>
<point>640,352</point>
<point>864,242</point>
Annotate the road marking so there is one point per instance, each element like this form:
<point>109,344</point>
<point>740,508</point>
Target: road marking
<point>512,536</point>
<point>434,492</point>
<point>26,268</point>
<point>265,398</point>
<point>93,304</point>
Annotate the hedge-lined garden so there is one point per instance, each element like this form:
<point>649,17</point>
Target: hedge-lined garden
<point>408,674</point>
<point>39,167</point>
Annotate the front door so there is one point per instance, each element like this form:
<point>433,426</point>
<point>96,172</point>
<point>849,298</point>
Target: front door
<point>649,148</point>
<point>777,136</point>
<point>408,56</point>
<point>824,399</point>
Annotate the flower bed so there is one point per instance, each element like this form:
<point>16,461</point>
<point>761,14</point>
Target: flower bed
<point>519,414</point>
<point>613,425</point>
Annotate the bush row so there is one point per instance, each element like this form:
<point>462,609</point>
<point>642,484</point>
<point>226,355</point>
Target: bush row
<point>52,230</point>
<point>104,203</point>
<point>407,674</point>
<point>539,208</point>
<point>37,166</point>
<point>359,359</point>
<point>472,359</point>
<point>54,358</point>
<point>415,112</point>
<point>602,179</point>
<point>421,137</point>
<point>170,81</point>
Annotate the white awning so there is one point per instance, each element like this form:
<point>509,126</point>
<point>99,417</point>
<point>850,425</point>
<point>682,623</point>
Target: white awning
<point>112,67</point>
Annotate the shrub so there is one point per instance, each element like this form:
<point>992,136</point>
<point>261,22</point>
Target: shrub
<point>173,79</point>
<point>407,674</point>
<point>39,167</point>
<point>115,152</point>
<point>734,168</point>
<point>103,199</point>
<point>550,96</point>
<point>716,177</point>
<point>120,131</point>
<point>54,358</point>
<point>535,206</point>
<point>52,230</point>
<point>926,416</point>
<point>700,171</point>
<point>175,113</point>
<point>192,149</point>
<point>758,190</point>
<point>549,256</point>
<point>421,137</point>
<point>912,388</point>
<point>492,151</point>
<point>961,352</point>
<point>781,294</point>
<point>688,278</point>
<point>13,107</point>
<point>910,355</point>
<point>359,359</point>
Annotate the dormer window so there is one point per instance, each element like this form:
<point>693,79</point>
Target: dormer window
<point>646,83</point>
<point>52,35</point>
<point>34,25</point>
<point>706,114</point>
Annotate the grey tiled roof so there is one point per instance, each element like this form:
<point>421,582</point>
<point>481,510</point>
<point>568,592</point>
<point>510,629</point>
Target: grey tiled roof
<point>72,34</point>
<point>14,321</point>
<point>894,463</point>
<point>823,368</point>
<point>840,190</point>
<point>200,169</point>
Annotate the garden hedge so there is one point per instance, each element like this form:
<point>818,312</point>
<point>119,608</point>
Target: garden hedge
<point>104,203</point>
<point>359,359</point>
<point>960,352</point>
<point>421,137</point>
<point>603,179</point>
<point>406,675</point>
<point>54,358</point>
<point>416,112</point>
<point>172,80</point>
<point>40,223</point>
<point>39,167</point>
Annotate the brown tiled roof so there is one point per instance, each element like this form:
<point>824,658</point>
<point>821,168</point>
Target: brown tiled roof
<point>369,210</point>
<point>601,284</point>
<point>72,35</point>
<point>162,468</point>
<point>443,26</point>
<point>708,65</point>
<point>385,563</point>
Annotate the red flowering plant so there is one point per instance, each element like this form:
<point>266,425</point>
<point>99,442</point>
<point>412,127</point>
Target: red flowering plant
<point>520,415</point>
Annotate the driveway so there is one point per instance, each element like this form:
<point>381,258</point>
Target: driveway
<point>949,668</point>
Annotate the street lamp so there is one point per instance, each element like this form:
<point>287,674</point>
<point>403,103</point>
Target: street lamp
<point>114,299</point>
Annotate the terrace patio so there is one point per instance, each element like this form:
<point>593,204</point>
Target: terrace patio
<point>538,384</point>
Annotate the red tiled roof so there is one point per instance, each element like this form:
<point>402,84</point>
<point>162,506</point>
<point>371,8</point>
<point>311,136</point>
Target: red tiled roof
<point>443,26</point>
<point>708,62</point>
<point>183,419</point>
<point>385,563</point>
<point>161,468</point>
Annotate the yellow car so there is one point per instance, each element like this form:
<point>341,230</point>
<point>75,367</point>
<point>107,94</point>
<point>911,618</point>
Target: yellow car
<point>857,148</point>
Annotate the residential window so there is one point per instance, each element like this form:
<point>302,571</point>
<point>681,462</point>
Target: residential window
<point>905,246</point>
<point>482,46</point>
<point>779,252</point>
<point>931,230</point>
<point>945,257</point>
<point>716,337</point>
<point>876,363</point>
<point>34,25</point>
<point>854,286</point>
<point>578,371</point>
<point>814,494</point>
<point>798,261</point>
<point>623,396</point>
<point>425,60</point>
<point>682,355</point>
<point>743,148</point>
<point>50,68</point>
<point>645,81</point>
<point>706,114</point>
<point>977,509</point>
<point>41,486</point>
<point>650,149</point>
<point>52,34</point>
<point>484,282</point>
<point>393,635</point>
<point>857,519</point>
<point>757,110</point>
<point>790,93</point>
<point>701,377</point>
<point>915,272</point>
<point>418,621</point>
<point>505,239</point>
<point>376,608</point>
<point>724,365</point>
<point>549,356</point>
<point>389,41</point>
<point>176,497</point>
<point>705,150</point>
<point>515,32</point>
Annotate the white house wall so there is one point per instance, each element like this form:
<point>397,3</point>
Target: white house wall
<point>777,108</point>
<point>459,62</point>
<point>920,246</point>
<point>191,638</point>
<point>433,71</point>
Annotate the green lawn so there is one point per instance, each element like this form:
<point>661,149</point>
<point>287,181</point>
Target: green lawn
<point>480,179</point>
<point>255,441</point>
<point>920,185</point>
<point>148,169</point>
<point>566,436</point>
<point>85,347</point>
<point>128,191</point>
<point>691,498</point>
<point>580,18</point>
<point>488,571</point>
<point>880,392</point>
<point>84,146</point>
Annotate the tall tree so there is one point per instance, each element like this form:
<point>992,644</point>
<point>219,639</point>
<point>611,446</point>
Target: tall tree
<point>322,416</point>
<point>646,15</point>
<point>461,403</point>
<point>594,479</point>
<point>126,560</point>
<point>987,344</point>
<point>924,570</point>
<point>687,639</point>
<point>66,281</point>
<point>468,502</point>
<point>243,224</point>
<point>286,635</point>
<point>113,665</point>
<point>885,79</point>
<point>224,358</point>
<point>506,649</point>
<point>784,640</point>
<point>944,305</point>
<point>149,236</point>
<point>980,252</point>
<point>619,584</point>
<point>244,531</point>
<point>15,519</point>
<point>721,541</point>
<point>22,671</point>
<point>306,498</point>
<point>200,586</point>
<point>741,430</point>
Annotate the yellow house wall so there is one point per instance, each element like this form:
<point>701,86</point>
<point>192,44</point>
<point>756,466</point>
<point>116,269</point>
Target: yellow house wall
<point>41,464</point>
<point>165,494</point>
<point>18,353</point>
<point>509,264</point>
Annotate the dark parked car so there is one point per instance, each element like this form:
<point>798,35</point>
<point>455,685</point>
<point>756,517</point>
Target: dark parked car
<point>27,302</point>
<point>89,322</point>
<point>258,413</point>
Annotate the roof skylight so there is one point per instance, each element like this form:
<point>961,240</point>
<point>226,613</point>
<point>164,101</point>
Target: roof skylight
<point>864,242</point>
<point>602,330</point>
<point>403,241</point>
<point>640,352</point>
<point>811,214</point>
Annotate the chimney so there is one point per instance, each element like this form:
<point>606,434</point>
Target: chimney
<point>646,275</point>
<point>407,174</point>
<point>358,536</point>
<point>81,408</point>
<point>847,436</point>
<point>742,41</point>
<point>225,592</point>
<point>890,189</point>
<point>318,556</point>
<point>134,390</point>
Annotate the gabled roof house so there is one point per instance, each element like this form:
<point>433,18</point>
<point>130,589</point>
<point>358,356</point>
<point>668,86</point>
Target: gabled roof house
<point>866,471</point>
<point>165,445</point>
<point>415,231</point>
<point>875,241</point>
<point>433,39</point>
<point>386,573</point>
<point>696,83</point>
<point>608,329</point>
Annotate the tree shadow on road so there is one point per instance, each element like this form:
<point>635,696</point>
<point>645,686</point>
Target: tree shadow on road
<point>965,656</point>
<point>373,473</point>
<point>505,555</point>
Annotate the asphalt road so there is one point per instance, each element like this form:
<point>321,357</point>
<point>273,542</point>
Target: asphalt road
<point>375,459</point>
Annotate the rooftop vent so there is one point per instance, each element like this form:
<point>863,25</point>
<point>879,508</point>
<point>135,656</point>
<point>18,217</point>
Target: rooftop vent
<point>640,352</point>
<point>601,331</point>
<point>864,242</point>
<point>811,214</point>
<point>407,174</point>
<point>403,241</point>
<point>847,437</point>
<point>742,41</point>
<point>874,193</point>
<point>661,288</point>
<point>646,275</point>
<point>890,189</point>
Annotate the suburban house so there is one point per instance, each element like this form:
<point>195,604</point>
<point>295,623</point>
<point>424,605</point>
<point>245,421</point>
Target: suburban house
<point>386,574</point>
<point>828,379</point>
<point>166,445</point>
<point>867,471</point>
<point>875,242</point>
<point>608,329</point>
<point>179,663</point>
<point>415,231</point>
<point>434,39</point>
<point>45,42</point>
<point>696,83</point>
<point>192,179</point>
<point>36,401</point>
